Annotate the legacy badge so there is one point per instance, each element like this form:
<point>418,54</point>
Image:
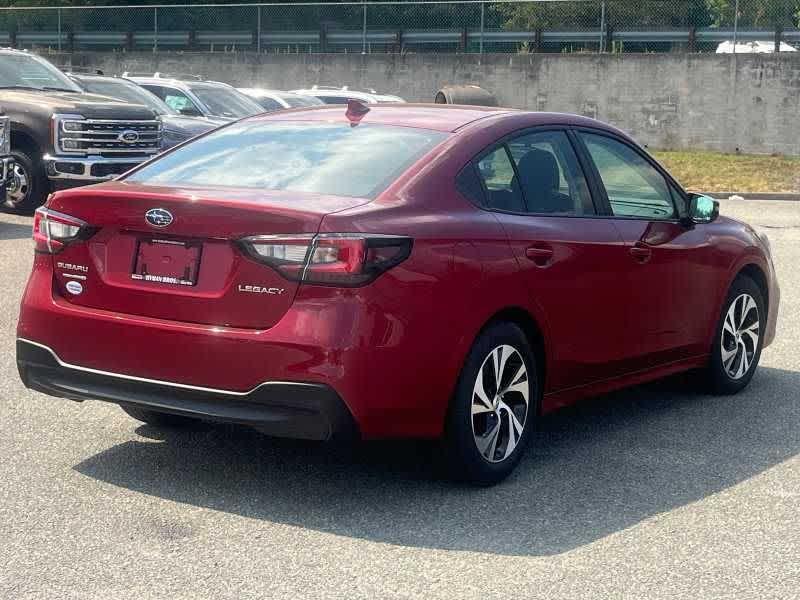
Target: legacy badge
<point>257,289</point>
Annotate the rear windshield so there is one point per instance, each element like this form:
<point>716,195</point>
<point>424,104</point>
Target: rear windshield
<point>301,101</point>
<point>226,102</point>
<point>323,158</point>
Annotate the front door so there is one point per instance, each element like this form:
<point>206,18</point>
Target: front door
<point>670,273</point>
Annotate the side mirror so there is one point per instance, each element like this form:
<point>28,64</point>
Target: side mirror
<point>702,209</point>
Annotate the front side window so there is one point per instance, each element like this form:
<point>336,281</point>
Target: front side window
<point>551,178</point>
<point>322,158</point>
<point>173,98</point>
<point>634,187</point>
<point>500,181</point>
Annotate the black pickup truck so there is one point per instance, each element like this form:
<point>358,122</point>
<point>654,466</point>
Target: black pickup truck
<point>62,137</point>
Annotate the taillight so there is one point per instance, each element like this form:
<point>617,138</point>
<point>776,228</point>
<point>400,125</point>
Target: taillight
<point>52,230</point>
<point>337,259</point>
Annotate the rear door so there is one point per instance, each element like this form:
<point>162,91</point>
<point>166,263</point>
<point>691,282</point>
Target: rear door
<point>670,274</point>
<point>569,257</point>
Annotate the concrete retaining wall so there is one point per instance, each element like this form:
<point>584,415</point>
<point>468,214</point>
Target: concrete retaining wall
<point>667,101</point>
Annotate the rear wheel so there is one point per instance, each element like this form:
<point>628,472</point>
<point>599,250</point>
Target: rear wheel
<point>28,185</point>
<point>739,338</point>
<point>157,419</point>
<point>492,415</point>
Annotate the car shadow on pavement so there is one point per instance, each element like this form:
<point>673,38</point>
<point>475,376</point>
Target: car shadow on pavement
<point>595,469</point>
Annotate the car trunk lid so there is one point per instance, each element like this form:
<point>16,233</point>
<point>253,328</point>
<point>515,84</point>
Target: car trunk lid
<point>172,253</point>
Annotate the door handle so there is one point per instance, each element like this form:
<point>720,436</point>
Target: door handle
<point>641,253</point>
<point>541,256</point>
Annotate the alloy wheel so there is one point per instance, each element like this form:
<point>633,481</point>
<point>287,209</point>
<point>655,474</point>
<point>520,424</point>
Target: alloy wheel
<point>500,401</point>
<point>740,334</point>
<point>19,185</point>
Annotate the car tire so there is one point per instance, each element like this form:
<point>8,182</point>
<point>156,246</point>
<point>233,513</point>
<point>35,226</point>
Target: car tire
<point>738,338</point>
<point>484,416</point>
<point>29,186</point>
<point>158,419</point>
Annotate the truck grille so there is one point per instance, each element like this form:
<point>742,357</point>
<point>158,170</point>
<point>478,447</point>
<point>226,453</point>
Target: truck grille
<point>108,137</point>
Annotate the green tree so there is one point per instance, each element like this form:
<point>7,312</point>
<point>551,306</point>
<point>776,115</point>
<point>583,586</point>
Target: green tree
<point>618,14</point>
<point>755,13</point>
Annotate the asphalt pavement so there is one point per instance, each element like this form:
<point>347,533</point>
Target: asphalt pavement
<point>655,492</point>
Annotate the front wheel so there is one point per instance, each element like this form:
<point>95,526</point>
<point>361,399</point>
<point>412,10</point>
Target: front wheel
<point>28,185</point>
<point>491,418</point>
<point>739,338</point>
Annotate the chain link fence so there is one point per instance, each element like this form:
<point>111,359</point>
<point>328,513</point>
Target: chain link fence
<point>471,26</point>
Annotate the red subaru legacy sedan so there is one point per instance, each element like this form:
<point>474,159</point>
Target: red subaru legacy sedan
<point>392,271</point>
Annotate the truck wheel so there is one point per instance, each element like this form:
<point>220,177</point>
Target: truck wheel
<point>28,185</point>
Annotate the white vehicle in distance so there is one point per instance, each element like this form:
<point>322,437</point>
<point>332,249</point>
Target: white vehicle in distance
<point>753,48</point>
<point>195,97</point>
<point>342,95</point>
<point>272,100</point>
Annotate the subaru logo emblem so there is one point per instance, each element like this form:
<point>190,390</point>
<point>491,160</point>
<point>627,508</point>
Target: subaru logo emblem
<point>158,217</point>
<point>129,136</point>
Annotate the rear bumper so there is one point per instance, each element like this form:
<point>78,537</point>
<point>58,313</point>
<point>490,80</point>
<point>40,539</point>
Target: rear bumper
<point>385,365</point>
<point>286,409</point>
<point>87,169</point>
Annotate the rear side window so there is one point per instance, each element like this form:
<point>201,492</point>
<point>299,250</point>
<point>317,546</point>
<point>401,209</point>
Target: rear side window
<point>323,158</point>
<point>470,186</point>
<point>500,181</point>
<point>551,179</point>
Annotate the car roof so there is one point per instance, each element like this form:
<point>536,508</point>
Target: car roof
<point>267,92</point>
<point>83,77</point>
<point>207,84</point>
<point>339,93</point>
<point>178,83</point>
<point>156,80</point>
<point>438,117</point>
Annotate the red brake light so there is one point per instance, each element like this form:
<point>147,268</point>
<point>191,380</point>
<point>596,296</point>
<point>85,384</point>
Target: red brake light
<point>336,259</point>
<point>52,230</point>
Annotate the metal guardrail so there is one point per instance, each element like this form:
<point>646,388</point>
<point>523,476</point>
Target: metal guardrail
<point>430,26</point>
<point>244,39</point>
